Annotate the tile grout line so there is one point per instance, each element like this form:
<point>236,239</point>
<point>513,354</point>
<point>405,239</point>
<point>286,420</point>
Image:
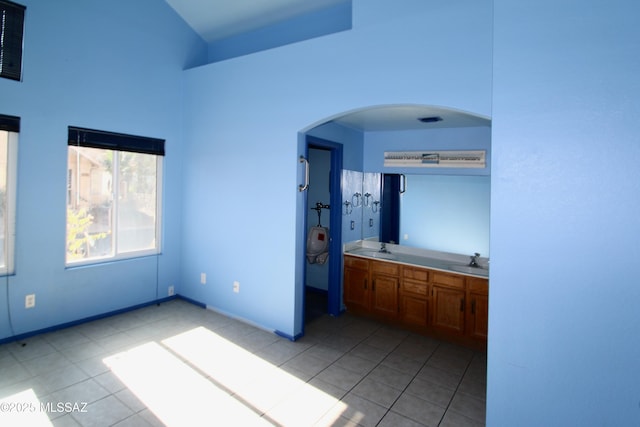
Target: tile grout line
<point>407,386</point>
<point>456,391</point>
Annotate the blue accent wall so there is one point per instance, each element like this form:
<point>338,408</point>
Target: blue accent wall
<point>564,296</point>
<point>242,120</point>
<point>78,70</point>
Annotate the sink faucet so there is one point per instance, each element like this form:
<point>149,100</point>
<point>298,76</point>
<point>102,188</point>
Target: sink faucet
<point>474,260</point>
<point>383,248</point>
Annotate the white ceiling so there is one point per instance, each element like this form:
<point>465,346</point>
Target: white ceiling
<point>405,117</point>
<point>217,19</point>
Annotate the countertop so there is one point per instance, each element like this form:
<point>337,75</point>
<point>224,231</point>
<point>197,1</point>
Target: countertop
<point>443,261</point>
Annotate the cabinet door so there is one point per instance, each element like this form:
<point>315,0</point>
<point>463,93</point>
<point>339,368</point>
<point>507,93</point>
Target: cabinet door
<point>385,295</point>
<point>414,297</point>
<point>356,289</point>
<point>414,311</point>
<point>479,316</point>
<point>448,309</point>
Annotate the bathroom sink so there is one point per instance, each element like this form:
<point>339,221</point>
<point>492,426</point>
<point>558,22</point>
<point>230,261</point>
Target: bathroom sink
<point>470,270</point>
<point>383,255</point>
<point>375,254</point>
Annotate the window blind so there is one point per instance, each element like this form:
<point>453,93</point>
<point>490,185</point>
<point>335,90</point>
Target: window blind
<point>115,141</point>
<point>9,123</point>
<point>11,32</point>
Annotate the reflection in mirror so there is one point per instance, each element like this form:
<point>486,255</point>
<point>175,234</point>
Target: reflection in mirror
<point>438,212</point>
<point>392,188</point>
<point>371,206</point>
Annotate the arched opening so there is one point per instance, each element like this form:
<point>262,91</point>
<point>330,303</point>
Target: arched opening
<point>364,135</point>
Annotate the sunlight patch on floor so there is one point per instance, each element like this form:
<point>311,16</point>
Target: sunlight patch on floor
<point>175,392</point>
<point>286,399</point>
<point>23,409</point>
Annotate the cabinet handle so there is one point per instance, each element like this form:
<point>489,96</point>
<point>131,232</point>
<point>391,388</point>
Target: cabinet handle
<point>365,283</point>
<point>462,304</point>
<point>373,285</point>
<point>473,307</point>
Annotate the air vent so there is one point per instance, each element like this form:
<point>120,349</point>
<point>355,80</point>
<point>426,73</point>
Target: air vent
<point>431,119</point>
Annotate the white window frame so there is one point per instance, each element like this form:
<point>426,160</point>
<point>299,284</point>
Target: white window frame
<point>10,215</point>
<point>118,256</point>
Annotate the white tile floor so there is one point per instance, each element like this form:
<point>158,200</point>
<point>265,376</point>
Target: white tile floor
<point>180,365</point>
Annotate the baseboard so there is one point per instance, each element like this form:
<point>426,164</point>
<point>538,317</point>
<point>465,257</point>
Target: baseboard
<point>92,318</point>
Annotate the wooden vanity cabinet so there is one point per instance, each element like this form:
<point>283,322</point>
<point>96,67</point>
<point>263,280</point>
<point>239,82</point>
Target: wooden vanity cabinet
<point>414,296</point>
<point>356,284</point>
<point>448,296</point>
<point>385,284</point>
<point>449,306</point>
<point>478,308</point>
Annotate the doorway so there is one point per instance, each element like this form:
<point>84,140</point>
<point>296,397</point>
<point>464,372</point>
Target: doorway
<point>322,275</point>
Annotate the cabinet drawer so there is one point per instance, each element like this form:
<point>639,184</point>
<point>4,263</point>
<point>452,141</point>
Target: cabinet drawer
<point>355,262</point>
<point>478,285</point>
<point>414,287</point>
<point>385,268</point>
<point>455,280</point>
<point>417,274</point>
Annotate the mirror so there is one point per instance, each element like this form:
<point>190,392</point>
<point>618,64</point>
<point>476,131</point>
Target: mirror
<point>448,213</point>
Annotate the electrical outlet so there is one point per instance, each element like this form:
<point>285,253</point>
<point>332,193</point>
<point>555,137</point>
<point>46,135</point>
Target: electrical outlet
<point>30,301</point>
<point>203,278</point>
<point>171,291</point>
<point>236,286</point>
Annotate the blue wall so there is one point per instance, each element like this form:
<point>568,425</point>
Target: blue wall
<point>79,71</point>
<point>243,117</point>
<point>563,318</point>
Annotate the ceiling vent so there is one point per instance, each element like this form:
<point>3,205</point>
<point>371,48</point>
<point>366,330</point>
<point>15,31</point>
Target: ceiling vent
<point>431,119</point>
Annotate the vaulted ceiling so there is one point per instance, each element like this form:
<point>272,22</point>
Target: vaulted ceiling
<point>214,20</point>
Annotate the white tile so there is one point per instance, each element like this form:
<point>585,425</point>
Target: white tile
<point>391,377</point>
<point>377,392</point>
<point>418,410</point>
<point>361,411</point>
<point>340,377</point>
<point>370,366</point>
<point>31,348</point>
<point>104,412</point>
<point>46,364</point>
<point>469,406</point>
<point>63,377</point>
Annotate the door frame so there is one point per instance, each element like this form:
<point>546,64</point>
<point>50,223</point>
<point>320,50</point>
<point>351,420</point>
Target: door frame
<point>334,287</point>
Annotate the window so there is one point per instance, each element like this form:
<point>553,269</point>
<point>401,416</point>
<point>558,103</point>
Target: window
<point>9,128</point>
<point>113,195</point>
<point>11,32</point>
